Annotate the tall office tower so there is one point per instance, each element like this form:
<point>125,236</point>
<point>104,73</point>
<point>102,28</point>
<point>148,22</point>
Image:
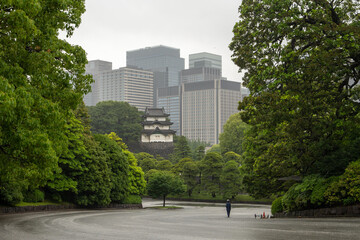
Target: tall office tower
<point>169,99</point>
<point>204,59</point>
<point>126,84</point>
<point>200,74</point>
<point>165,62</point>
<point>94,68</point>
<point>206,106</point>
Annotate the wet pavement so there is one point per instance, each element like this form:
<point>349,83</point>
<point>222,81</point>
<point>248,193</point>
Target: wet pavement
<point>192,221</point>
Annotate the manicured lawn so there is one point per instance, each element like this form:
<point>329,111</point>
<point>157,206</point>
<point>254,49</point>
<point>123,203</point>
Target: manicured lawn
<point>23,204</point>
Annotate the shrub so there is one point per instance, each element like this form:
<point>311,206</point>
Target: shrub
<point>277,205</point>
<point>346,190</point>
<point>133,199</point>
<point>10,194</point>
<point>34,196</point>
<point>307,194</point>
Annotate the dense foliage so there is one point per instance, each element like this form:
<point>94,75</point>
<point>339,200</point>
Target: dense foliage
<point>181,149</point>
<point>213,176</point>
<point>315,191</point>
<point>231,139</point>
<point>41,80</point>
<point>119,117</point>
<point>163,183</point>
<point>46,147</point>
<point>301,61</point>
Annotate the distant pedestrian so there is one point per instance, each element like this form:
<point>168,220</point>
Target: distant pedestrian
<point>228,207</point>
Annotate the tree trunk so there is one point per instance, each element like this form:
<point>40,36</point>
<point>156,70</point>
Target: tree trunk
<point>164,201</point>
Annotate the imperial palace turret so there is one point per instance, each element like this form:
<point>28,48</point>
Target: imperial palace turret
<point>157,137</point>
<point>156,126</point>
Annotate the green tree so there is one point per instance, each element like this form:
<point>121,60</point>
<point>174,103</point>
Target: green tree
<point>41,80</point>
<point>63,184</point>
<point>164,165</point>
<point>118,166</point>
<point>215,148</point>
<point>301,63</point>
<point>178,168</point>
<point>163,183</point>
<point>119,117</point>
<point>199,153</point>
<point>211,170</point>
<point>231,139</point>
<point>94,184</point>
<point>181,149</point>
<point>190,173</point>
<point>230,179</point>
<point>231,156</point>
<point>137,183</point>
<point>146,161</point>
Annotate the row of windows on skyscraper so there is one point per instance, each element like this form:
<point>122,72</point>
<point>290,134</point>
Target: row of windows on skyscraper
<point>198,99</point>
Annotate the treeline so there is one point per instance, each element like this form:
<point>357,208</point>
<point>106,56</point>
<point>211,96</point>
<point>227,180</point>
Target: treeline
<point>94,170</point>
<point>316,191</point>
<point>301,63</point>
<point>208,173</point>
<point>46,147</point>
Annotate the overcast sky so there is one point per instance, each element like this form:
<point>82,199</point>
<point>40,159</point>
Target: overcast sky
<point>109,28</point>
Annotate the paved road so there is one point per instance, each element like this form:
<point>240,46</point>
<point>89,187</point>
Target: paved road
<point>194,221</point>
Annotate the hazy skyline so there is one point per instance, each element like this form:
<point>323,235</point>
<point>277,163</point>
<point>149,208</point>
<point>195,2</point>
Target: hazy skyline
<point>109,28</point>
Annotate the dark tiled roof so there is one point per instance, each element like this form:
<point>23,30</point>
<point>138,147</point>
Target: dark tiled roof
<point>157,122</point>
<point>158,131</point>
<point>155,112</point>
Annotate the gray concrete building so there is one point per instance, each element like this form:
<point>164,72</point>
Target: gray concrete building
<point>132,85</point>
<point>206,106</point>
<point>200,74</point>
<point>164,61</point>
<point>94,68</point>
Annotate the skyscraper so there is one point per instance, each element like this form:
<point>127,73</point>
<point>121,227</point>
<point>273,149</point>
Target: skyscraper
<point>206,106</point>
<point>205,59</point>
<point>202,67</point>
<point>94,68</point>
<point>169,99</point>
<point>165,62</point>
<point>131,85</point>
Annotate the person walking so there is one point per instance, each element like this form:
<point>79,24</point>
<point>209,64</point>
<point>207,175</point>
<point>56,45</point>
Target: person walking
<point>228,207</point>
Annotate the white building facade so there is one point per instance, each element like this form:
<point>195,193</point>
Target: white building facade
<point>127,84</point>
<point>156,127</point>
<point>206,106</point>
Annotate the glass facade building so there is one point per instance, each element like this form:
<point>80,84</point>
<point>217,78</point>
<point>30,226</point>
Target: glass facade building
<point>169,99</point>
<point>204,59</point>
<point>164,61</point>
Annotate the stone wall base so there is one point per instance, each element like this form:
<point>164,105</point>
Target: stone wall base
<point>345,211</point>
<point>5,210</point>
<point>164,149</point>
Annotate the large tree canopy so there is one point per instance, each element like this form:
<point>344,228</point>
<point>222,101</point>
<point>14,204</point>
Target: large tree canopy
<point>233,136</point>
<point>119,117</point>
<point>41,79</point>
<point>301,61</point>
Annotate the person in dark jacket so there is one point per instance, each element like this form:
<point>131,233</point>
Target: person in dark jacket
<point>228,207</point>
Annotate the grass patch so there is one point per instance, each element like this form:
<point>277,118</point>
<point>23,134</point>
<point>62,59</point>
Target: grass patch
<point>24,204</point>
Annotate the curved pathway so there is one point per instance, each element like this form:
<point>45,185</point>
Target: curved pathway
<point>194,221</point>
